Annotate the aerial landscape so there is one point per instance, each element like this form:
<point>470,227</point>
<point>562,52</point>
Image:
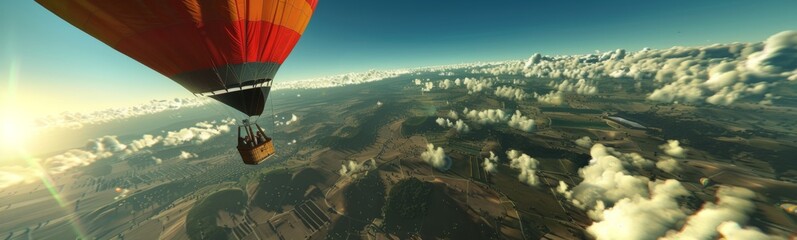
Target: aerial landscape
<point>680,140</point>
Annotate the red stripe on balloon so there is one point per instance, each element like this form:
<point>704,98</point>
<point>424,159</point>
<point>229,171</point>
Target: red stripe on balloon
<point>180,48</point>
<point>312,3</point>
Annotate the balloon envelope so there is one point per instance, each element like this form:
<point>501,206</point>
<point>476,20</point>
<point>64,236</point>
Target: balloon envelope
<point>207,46</point>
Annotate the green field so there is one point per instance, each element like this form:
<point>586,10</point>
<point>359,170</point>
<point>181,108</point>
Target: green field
<point>201,220</point>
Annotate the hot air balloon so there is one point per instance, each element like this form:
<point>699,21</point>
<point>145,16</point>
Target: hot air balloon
<point>228,50</point>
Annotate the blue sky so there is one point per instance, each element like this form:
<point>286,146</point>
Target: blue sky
<point>44,60</point>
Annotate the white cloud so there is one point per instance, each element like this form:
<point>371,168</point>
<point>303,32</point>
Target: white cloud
<point>673,148</point>
<point>489,116</point>
<point>146,141</point>
<point>778,56</point>
<point>106,144</point>
<point>78,120</point>
<point>491,163</point>
<point>527,166</point>
<point>427,87</point>
<point>106,147</point>
<point>669,165</point>
<point>453,115</point>
<point>608,178</point>
<point>733,204</point>
<point>521,122</point>
<point>293,119</point>
<point>345,79</point>
<point>459,125</point>
<point>554,98</point>
<point>445,84</point>
<point>202,132</point>
<point>732,231</point>
<point>534,59</point>
<point>641,216</point>
<point>582,87</point>
<point>719,74</point>
<point>510,93</point>
<point>585,142</point>
<point>477,85</point>
<point>95,149</point>
<point>353,167</point>
<point>157,160</point>
<point>187,155</point>
<point>436,157</point>
<point>379,103</point>
<point>13,175</point>
<point>614,194</point>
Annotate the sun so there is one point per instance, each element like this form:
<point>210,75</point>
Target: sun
<point>15,132</point>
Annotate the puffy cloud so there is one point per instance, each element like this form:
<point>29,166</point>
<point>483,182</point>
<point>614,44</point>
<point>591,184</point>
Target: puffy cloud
<point>445,84</point>
<point>13,175</point>
<point>608,178</point>
<point>353,167</point>
<point>107,147</point>
<point>73,158</point>
<point>733,204</point>
<point>684,89</point>
<point>78,120</point>
<point>521,122</point>
<point>732,231</point>
<point>345,79</point>
<point>477,85</point>
<point>379,103</point>
<point>669,165</point>
<point>489,116</point>
<point>581,87</point>
<point>293,119</point>
<point>95,149</point>
<point>673,148</point>
<point>527,166</point>
<point>106,144</point>
<point>554,98</point>
<point>585,142</point>
<point>534,59</point>
<point>200,133</point>
<point>146,141</point>
<point>778,57</point>
<point>641,216</point>
<point>436,157</point>
<point>187,155</point>
<point>459,125</point>
<point>510,93</point>
<point>491,163</point>
<point>614,195</point>
<point>453,115</point>
<point>427,87</point>
<point>443,122</point>
<point>719,74</point>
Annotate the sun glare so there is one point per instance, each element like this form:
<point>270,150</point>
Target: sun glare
<point>13,132</point>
